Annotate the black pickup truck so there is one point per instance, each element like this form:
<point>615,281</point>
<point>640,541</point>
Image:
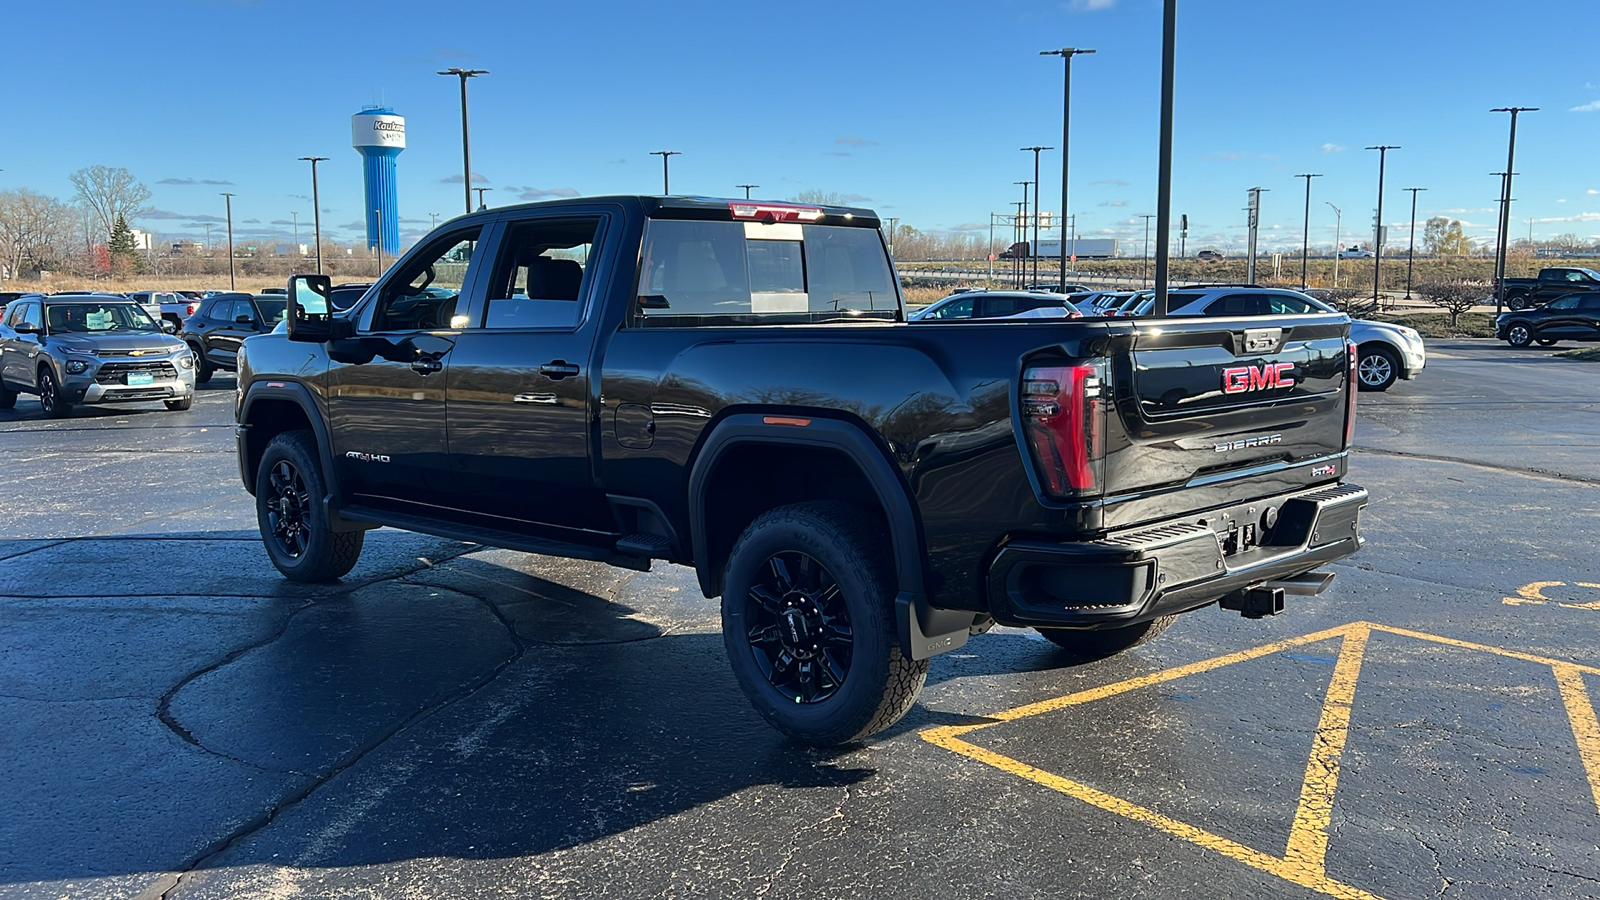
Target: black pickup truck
<point>1553,282</point>
<point>732,385</point>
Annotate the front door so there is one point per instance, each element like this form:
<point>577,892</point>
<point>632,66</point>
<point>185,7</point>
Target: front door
<point>519,392</point>
<point>386,386</point>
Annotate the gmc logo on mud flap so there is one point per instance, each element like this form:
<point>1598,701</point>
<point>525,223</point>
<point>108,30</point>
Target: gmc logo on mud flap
<point>1243,379</point>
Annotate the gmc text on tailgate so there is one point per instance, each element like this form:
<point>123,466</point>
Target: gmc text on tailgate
<point>732,385</point>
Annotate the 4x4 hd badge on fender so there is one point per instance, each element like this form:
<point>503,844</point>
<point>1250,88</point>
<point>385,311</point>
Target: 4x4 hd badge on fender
<point>365,457</point>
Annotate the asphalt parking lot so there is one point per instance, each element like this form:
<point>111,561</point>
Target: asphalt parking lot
<point>452,721</point>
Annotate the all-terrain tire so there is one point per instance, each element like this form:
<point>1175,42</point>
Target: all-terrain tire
<point>1091,645</point>
<point>813,580</point>
<point>292,517</point>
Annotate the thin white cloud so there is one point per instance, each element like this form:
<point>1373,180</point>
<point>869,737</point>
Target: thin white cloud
<point>1091,5</point>
<point>854,141</point>
<point>1331,147</point>
<point>1593,106</point>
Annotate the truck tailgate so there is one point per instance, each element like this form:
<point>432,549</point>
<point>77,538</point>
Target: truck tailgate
<point>1208,400</point>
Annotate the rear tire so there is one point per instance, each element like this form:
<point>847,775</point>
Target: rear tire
<point>1086,646</point>
<point>50,400</point>
<point>292,517</point>
<point>1517,302</point>
<point>808,620</point>
<point>1376,368</point>
<point>1519,335</point>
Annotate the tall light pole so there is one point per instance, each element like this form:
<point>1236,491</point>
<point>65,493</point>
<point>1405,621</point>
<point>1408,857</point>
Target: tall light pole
<point>1305,234</point>
<point>1036,151</point>
<point>434,223</point>
<point>296,216</point>
<point>1254,211</point>
<point>1411,250</point>
<point>229,198</point>
<point>1169,53</point>
<point>1022,231</point>
<point>1377,228</point>
<point>1338,221</point>
<point>466,146</point>
<point>316,205</point>
<point>1144,260</point>
<point>1066,54</point>
<point>481,204</point>
<point>666,185</point>
<point>747,188</point>
<point>1505,205</point>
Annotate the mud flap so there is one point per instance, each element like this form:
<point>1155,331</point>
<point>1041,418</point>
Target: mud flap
<point>926,632</point>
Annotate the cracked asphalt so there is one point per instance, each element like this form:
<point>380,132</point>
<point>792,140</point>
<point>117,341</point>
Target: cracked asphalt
<point>454,721</point>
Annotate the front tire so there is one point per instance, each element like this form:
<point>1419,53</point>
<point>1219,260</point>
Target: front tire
<point>1377,368</point>
<point>202,368</point>
<point>292,517</point>
<point>1519,335</point>
<point>1547,342</point>
<point>180,405</point>
<point>1085,646</point>
<point>808,610</point>
<point>50,400</point>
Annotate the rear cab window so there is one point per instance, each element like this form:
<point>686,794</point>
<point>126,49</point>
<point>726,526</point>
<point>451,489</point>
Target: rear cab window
<point>710,273</point>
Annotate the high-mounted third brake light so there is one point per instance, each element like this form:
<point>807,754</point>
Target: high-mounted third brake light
<point>774,213</point>
<point>1062,409</point>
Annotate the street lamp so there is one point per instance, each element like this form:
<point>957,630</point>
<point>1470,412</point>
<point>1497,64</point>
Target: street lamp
<point>434,221</point>
<point>1169,56</point>
<point>466,147</point>
<point>1035,254</point>
<point>1505,205</point>
<point>665,155</point>
<point>1305,235</point>
<point>316,205</point>
<point>1066,54</point>
<point>747,188</point>
<point>1022,231</point>
<point>1144,260</point>
<point>229,198</point>
<point>1253,231</point>
<point>481,204</point>
<point>1338,220</point>
<point>1377,230</point>
<point>296,216</point>
<point>1411,251</point>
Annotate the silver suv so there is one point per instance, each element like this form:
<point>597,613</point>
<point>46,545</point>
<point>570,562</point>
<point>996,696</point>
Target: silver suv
<point>1385,351</point>
<point>95,348</point>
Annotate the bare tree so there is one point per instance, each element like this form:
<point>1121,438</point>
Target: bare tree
<point>1454,297</point>
<point>110,192</point>
<point>35,231</point>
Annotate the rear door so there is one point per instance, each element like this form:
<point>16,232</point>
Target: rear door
<point>1589,315</point>
<point>1215,398</point>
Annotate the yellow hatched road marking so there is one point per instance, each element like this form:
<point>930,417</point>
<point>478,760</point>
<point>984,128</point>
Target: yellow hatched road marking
<point>1533,592</point>
<point>1305,858</point>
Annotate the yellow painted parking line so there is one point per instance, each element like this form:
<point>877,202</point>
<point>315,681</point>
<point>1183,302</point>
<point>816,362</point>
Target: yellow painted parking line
<point>1305,858</point>
<point>1533,593</point>
<point>1580,710</point>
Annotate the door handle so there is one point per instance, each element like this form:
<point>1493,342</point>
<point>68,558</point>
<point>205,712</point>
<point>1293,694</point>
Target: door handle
<point>426,366</point>
<point>558,369</point>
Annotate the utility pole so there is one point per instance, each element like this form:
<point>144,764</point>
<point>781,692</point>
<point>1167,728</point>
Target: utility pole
<point>316,205</point>
<point>208,240</point>
<point>229,199</point>
<point>434,223</point>
<point>747,188</point>
<point>1144,260</point>
<point>1183,235</point>
<point>666,186</point>
<point>1066,54</point>
<point>1377,225</point>
<point>1505,206</point>
<point>989,279</point>
<point>1035,253</point>
<point>481,204</point>
<point>1254,221</point>
<point>1305,234</point>
<point>1169,52</point>
<point>466,146</point>
<point>1022,231</point>
<point>1338,220</point>
<point>296,215</point>
<point>1411,251</point>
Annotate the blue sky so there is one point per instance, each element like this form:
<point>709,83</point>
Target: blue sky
<point>914,109</point>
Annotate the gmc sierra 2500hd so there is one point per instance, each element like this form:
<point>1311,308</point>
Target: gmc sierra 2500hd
<point>732,385</point>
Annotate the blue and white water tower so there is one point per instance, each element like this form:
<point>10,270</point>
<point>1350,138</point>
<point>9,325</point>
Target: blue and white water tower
<point>379,135</point>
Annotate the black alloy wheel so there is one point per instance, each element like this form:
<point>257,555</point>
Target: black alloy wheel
<point>50,399</point>
<point>288,509</point>
<point>1516,302</point>
<point>1519,335</point>
<point>799,627</point>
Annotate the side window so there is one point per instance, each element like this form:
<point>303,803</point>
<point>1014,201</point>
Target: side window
<point>422,295</point>
<point>994,307</point>
<point>539,278</point>
<point>1575,276</point>
<point>1283,304</point>
<point>241,308</point>
<point>32,314</point>
<point>1590,301</point>
<point>1570,301</point>
<point>955,309</point>
<point>1238,305</point>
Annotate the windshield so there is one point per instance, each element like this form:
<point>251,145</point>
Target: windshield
<point>94,318</point>
<point>752,273</point>
<point>271,310</point>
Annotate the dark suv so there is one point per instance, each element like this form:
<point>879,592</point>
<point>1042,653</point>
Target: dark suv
<point>221,324</point>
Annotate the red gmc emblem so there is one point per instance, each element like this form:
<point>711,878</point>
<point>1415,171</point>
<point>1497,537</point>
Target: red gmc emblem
<point>1243,379</point>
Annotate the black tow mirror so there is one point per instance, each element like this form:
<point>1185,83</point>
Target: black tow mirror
<point>310,315</point>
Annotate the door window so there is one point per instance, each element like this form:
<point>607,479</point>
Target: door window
<point>994,307</point>
<point>1589,301</point>
<point>1238,305</point>
<point>423,294</point>
<point>1570,301</point>
<point>955,309</point>
<point>1286,305</point>
<point>242,308</point>
<point>540,278</point>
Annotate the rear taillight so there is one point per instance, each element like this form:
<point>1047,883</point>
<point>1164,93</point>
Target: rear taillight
<point>1352,384</point>
<point>1062,409</point>
<point>191,308</point>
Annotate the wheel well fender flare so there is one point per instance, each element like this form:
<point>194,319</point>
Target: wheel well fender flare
<point>298,394</point>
